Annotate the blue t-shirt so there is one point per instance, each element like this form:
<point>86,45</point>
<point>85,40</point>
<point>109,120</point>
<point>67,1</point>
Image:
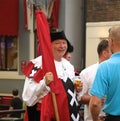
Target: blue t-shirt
<point>107,83</point>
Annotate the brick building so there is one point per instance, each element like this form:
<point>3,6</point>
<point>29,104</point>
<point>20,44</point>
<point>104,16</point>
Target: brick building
<point>100,16</point>
<point>103,10</point>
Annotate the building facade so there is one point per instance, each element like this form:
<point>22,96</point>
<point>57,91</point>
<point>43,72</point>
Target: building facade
<point>24,41</point>
<point>101,15</point>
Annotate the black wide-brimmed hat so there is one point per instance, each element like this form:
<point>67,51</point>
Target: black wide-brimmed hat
<point>70,48</point>
<point>55,35</point>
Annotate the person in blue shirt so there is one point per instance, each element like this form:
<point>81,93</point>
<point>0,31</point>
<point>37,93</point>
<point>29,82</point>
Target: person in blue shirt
<point>107,82</point>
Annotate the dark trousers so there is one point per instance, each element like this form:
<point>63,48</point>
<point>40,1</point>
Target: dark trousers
<point>33,114</point>
<point>112,118</point>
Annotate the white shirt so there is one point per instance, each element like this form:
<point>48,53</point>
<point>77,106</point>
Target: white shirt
<point>33,92</point>
<point>87,76</point>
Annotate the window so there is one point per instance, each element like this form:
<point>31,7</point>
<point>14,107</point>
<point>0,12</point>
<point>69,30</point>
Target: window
<point>8,53</point>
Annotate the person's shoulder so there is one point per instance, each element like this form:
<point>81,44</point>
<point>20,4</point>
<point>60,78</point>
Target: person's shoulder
<point>18,99</point>
<point>65,61</point>
<point>69,68</point>
<point>37,59</point>
<point>67,64</point>
<point>93,66</point>
<point>105,64</point>
<point>89,68</point>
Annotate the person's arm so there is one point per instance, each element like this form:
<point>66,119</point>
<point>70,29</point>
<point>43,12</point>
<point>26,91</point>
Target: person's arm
<point>95,107</point>
<point>85,99</point>
<point>84,96</point>
<point>33,92</point>
<point>10,108</point>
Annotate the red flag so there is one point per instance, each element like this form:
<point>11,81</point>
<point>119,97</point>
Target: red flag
<point>9,17</point>
<point>26,115</point>
<point>55,14</point>
<point>43,34</point>
<point>25,14</point>
<point>47,111</point>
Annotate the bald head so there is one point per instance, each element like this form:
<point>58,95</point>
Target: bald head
<point>114,34</point>
<point>114,38</point>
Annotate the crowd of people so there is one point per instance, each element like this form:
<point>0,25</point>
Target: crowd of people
<point>98,90</point>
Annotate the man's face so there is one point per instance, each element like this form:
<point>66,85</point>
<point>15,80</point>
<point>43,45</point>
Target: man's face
<point>59,48</point>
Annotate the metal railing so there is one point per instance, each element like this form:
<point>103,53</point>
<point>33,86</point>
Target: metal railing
<point>12,111</point>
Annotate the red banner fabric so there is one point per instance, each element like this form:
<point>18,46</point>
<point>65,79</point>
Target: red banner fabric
<point>9,17</point>
<point>47,110</point>
<point>55,14</point>
<point>25,15</point>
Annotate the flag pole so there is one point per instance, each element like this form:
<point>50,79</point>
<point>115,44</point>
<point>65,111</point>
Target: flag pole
<point>55,106</point>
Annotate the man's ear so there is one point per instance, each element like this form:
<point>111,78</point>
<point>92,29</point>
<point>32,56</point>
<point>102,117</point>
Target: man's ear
<point>110,42</point>
<point>105,53</point>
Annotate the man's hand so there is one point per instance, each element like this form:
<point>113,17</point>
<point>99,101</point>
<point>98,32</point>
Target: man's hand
<point>49,78</point>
